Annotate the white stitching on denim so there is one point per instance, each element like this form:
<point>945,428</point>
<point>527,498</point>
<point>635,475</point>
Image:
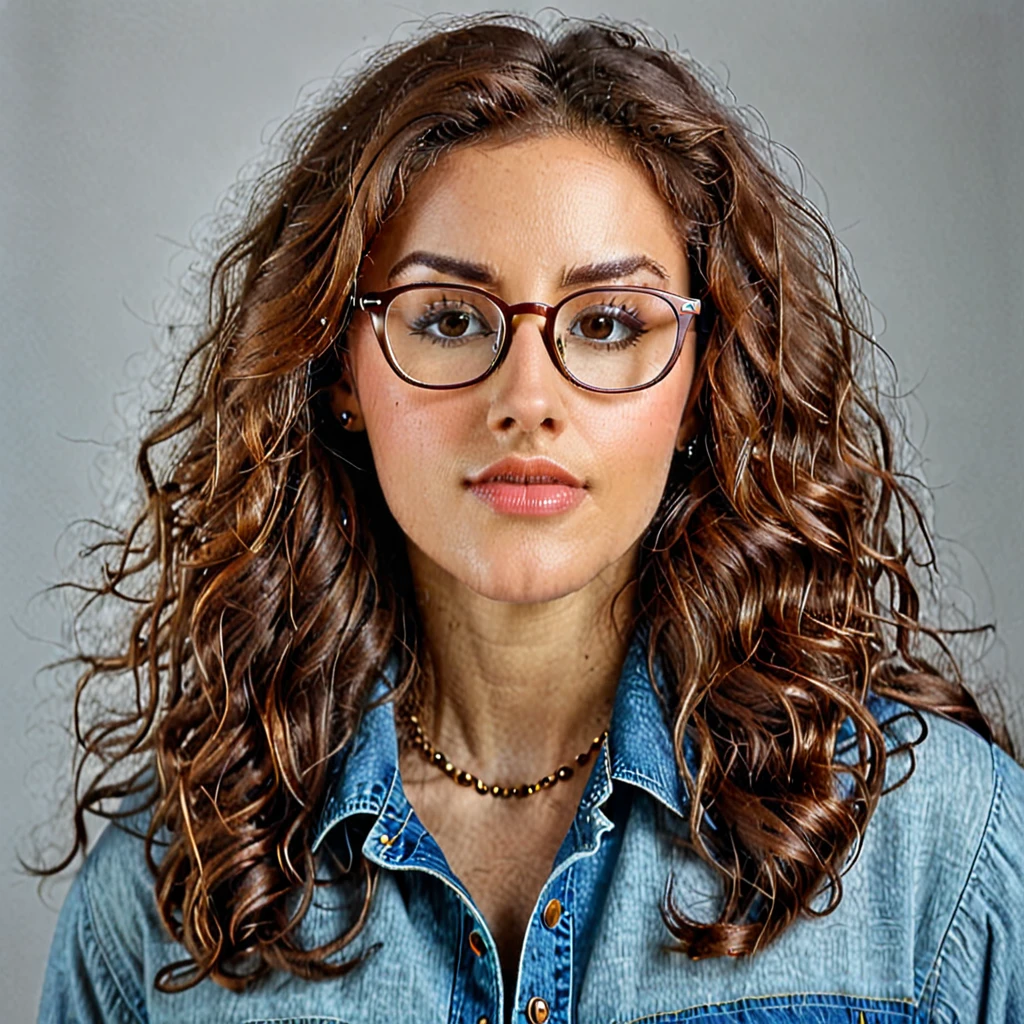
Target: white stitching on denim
<point>823,999</point>
<point>993,809</point>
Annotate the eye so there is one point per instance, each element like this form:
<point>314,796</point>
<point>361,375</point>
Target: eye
<point>447,322</point>
<point>608,326</point>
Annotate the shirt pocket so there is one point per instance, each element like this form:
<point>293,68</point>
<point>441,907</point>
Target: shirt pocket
<point>788,1008</point>
<point>294,1020</point>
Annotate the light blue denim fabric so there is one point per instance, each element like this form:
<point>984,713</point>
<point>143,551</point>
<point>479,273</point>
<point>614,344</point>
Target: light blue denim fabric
<point>930,927</point>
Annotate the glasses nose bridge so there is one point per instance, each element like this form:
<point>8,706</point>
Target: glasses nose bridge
<point>541,309</point>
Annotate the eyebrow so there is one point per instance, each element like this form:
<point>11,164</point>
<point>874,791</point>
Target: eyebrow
<point>480,273</point>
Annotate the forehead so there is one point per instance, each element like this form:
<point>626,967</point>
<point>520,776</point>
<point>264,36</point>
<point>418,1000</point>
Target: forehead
<point>541,200</point>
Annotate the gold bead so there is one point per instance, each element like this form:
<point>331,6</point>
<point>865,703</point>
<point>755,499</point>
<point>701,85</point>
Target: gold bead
<point>482,787</point>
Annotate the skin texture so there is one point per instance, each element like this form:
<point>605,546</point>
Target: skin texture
<point>516,609</point>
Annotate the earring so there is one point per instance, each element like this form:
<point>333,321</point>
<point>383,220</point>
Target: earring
<point>345,417</point>
<point>689,449</point>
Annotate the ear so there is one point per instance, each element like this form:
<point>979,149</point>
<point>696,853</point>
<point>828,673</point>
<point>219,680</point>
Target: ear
<point>690,424</point>
<point>344,399</point>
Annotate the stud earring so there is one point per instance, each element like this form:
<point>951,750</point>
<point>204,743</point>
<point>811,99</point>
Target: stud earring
<point>345,417</point>
<point>689,449</point>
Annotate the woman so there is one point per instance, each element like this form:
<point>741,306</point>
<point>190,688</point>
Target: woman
<point>523,635</point>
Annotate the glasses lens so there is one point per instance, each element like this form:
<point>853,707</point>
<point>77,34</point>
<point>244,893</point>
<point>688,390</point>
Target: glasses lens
<point>611,338</point>
<point>443,335</point>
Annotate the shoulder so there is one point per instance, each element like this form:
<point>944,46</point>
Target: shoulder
<point>957,825</point>
<point>946,783</point>
<point>97,962</point>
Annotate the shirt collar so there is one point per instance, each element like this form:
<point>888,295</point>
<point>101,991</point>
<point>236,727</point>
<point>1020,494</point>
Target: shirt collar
<point>365,770</point>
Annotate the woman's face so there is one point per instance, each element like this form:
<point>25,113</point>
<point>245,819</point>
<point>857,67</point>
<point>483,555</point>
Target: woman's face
<point>530,212</point>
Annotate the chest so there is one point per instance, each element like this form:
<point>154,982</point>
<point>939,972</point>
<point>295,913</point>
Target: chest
<point>501,850</point>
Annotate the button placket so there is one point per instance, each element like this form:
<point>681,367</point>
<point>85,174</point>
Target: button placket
<point>545,986</point>
<point>477,975</point>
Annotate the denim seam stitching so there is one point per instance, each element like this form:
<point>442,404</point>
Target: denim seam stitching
<point>457,996</point>
<point>994,808</point>
<point>104,955</point>
<point>822,999</point>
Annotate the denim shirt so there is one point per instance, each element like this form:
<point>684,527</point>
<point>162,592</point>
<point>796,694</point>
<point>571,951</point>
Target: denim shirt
<point>930,927</point>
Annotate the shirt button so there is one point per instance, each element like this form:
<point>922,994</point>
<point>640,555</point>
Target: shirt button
<point>483,1020</point>
<point>537,1010</point>
<point>552,913</point>
<point>476,943</point>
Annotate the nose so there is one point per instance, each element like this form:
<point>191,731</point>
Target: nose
<point>525,390</point>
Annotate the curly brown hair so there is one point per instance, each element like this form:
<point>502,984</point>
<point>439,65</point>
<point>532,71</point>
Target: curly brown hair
<point>777,590</point>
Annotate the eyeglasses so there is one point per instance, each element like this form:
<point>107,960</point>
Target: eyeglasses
<point>602,339</point>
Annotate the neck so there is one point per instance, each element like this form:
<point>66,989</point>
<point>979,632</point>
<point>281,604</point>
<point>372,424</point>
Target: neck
<point>516,689</point>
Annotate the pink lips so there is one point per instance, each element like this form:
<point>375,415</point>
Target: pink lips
<point>537,486</point>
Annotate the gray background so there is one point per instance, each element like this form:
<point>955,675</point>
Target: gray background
<point>123,123</point>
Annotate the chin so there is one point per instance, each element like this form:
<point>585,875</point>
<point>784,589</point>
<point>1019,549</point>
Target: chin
<point>524,579</point>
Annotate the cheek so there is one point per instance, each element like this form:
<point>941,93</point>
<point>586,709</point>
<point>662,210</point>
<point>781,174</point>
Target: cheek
<point>634,448</point>
<point>414,434</point>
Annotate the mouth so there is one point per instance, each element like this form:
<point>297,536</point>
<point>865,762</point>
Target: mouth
<point>518,487</point>
<point>533,472</point>
<point>513,478</point>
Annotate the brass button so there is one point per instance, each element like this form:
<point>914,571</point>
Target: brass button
<point>552,913</point>
<point>476,943</point>
<point>483,1020</point>
<point>537,1010</point>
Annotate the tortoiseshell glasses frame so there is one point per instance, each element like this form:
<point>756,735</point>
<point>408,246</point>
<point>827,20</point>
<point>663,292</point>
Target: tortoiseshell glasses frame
<point>376,305</point>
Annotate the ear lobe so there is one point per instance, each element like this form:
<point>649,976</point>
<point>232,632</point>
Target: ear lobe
<point>342,396</point>
<point>690,424</point>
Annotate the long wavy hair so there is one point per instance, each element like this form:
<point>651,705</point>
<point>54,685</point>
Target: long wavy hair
<point>273,581</point>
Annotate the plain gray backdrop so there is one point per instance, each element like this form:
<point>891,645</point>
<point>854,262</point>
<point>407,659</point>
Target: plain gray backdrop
<point>124,122</point>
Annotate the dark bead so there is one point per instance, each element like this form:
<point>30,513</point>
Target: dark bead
<point>437,757</point>
<point>482,787</point>
<point>514,791</point>
<point>565,772</point>
<point>547,782</point>
<point>582,759</point>
<point>464,779</point>
<point>450,769</point>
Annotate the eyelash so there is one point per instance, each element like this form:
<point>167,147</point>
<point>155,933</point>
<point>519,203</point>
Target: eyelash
<point>429,319</point>
<point>632,313</point>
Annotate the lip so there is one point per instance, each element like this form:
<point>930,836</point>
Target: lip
<point>538,470</point>
<point>527,487</point>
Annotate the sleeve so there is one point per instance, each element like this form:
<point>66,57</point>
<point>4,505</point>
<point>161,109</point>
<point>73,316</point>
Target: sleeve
<point>83,982</point>
<point>980,975</point>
